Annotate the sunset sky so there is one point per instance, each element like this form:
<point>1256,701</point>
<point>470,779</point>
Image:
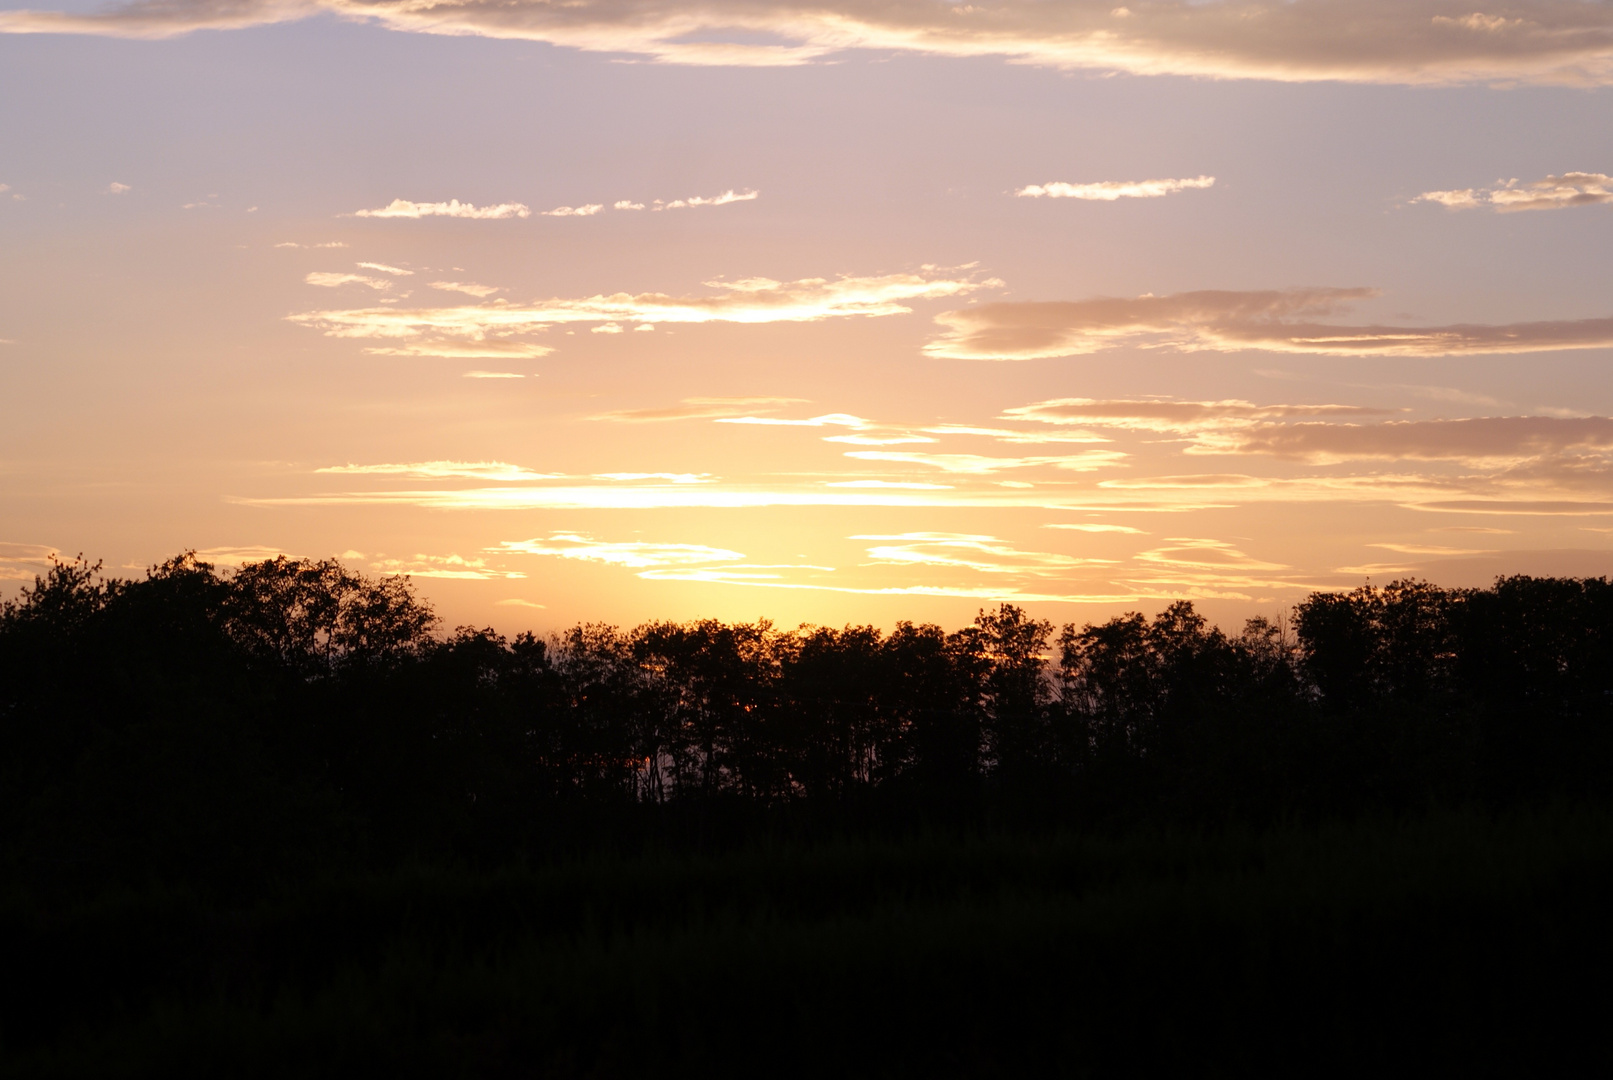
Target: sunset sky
<point>835,312</point>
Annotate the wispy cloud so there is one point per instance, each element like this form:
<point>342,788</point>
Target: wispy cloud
<point>443,470</point>
<point>1552,193</point>
<point>240,555</point>
<point>985,554</point>
<point>1095,527</point>
<point>1383,41</point>
<point>826,420</point>
<point>22,562</point>
<point>669,477</point>
<point>1492,440</point>
<point>634,553</point>
<point>114,188</point>
<point>403,208</point>
<point>729,196</point>
<point>750,300</point>
<point>1430,549</point>
<point>294,244</point>
<point>396,271</point>
<point>1110,190</point>
<point>1217,321</point>
<point>893,439</point>
<point>1173,416</point>
<point>451,567</point>
<point>466,350</point>
<point>697,408</point>
<point>493,375</point>
<point>469,288</point>
<point>979,464</point>
<point>332,280</point>
<point>572,211</point>
<point>900,485</point>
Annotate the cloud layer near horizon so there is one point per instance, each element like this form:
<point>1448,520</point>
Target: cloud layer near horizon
<point>1385,41</point>
<point>1276,320</point>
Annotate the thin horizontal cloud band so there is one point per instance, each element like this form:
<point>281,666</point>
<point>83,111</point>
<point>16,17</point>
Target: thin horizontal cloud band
<point>1316,433</point>
<point>1224,321</point>
<point>750,300</point>
<point>1552,193</point>
<point>1387,41</point>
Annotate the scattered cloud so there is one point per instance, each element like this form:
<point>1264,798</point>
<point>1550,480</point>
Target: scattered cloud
<point>492,375</point>
<point>444,470</point>
<point>572,211</point>
<point>729,196</point>
<point>1173,416</point>
<point>881,440</point>
<point>986,554</point>
<point>1110,190</point>
<point>469,288</point>
<point>1093,527</point>
<point>978,464</point>
<point>240,556</point>
<point>1374,41</point>
<point>114,188</point>
<point>1224,321</point>
<point>750,300</point>
<point>901,485</point>
<point>1552,193</point>
<point>1010,435</point>
<point>519,603</point>
<point>698,408</point>
<point>403,208</point>
<point>332,280</point>
<point>466,350</point>
<point>627,204</point>
<point>1496,441</point>
<point>636,554</point>
<point>22,562</point>
<point>396,271</point>
<point>294,244</point>
<point>452,567</point>
<point>826,420</point>
<point>1430,549</point>
<point>671,478</point>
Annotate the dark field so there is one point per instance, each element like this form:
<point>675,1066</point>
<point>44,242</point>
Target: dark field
<point>277,824</point>
<point>1451,940</point>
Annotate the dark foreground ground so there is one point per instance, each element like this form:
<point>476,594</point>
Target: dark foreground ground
<point>1443,940</point>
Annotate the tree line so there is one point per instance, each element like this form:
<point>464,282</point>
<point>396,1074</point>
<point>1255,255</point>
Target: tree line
<point>294,706</point>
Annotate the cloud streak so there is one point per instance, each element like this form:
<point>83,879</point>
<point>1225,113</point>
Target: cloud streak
<point>1552,193</point>
<point>750,300</point>
<point>443,470</point>
<point>979,464</point>
<point>403,208</point>
<point>333,280</point>
<point>1496,441</point>
<point>697,408</point>
<point>985,554</point>
<point>1111,190</point>
<point>1280,321</point>
<point>1383,41</point>
<point>635,554</point>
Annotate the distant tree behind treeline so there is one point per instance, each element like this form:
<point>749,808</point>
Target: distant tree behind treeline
<point>294,707</point>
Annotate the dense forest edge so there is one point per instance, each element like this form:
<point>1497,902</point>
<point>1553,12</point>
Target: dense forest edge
<point>280,819</point>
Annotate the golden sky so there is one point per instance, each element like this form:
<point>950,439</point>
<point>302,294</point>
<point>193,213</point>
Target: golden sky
<point>834,313</point>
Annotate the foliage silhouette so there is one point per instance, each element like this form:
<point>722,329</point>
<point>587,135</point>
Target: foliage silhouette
<point>280,756</point>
